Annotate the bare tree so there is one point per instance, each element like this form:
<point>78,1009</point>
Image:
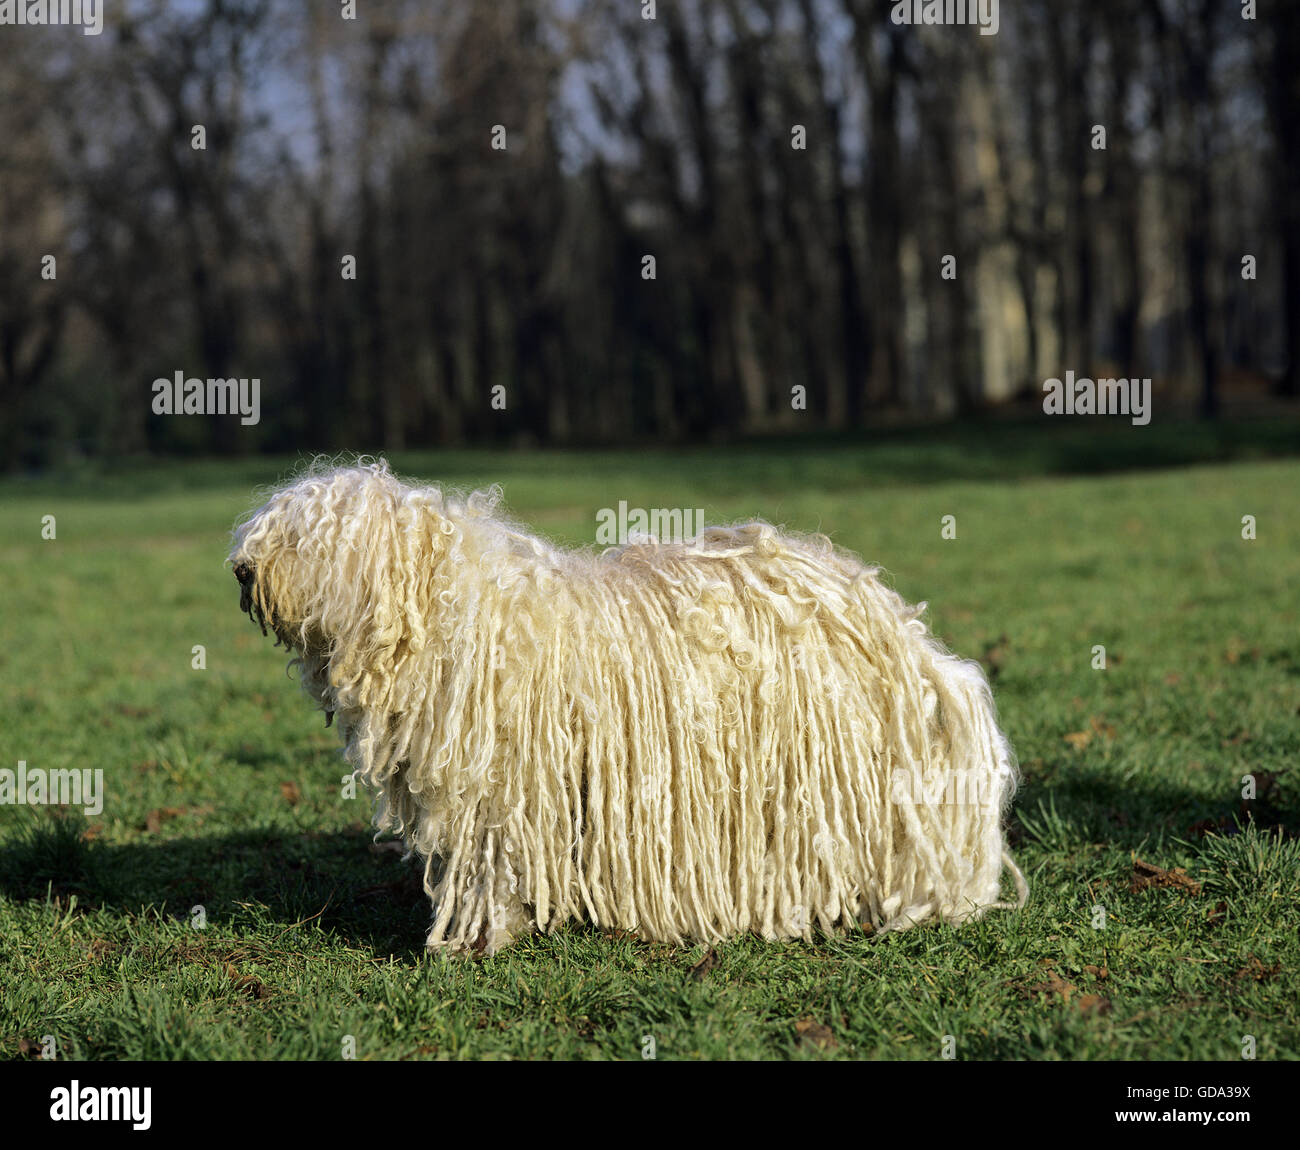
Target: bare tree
<point>33,303</point>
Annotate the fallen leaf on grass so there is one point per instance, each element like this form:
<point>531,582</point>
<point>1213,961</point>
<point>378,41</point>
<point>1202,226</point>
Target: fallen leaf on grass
<point>1055,984</point>
<point>706,964</point>
<point>1069,993</point>
<point>423,1049</point>
<point>1097,726</point>
<point>812,1033</point>
<point>291,793</point>
<point>251,986</point>
<point>154,820</point>
<point>1147,874</point>
<point>1101,727</point>
<point>1256,971</point>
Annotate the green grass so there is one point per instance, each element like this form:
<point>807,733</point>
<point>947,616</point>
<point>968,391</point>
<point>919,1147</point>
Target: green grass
<point>223,789</point>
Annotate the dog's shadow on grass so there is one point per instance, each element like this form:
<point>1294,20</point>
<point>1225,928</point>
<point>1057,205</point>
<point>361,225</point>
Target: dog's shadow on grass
<point>1063,810</point>
<point>341,881</point>
<point>364,893</point>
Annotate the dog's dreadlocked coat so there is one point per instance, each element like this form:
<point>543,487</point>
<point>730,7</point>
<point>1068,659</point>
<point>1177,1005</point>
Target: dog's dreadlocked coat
<point>747,732</point>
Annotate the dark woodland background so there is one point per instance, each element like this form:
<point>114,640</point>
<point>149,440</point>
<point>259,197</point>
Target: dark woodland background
<point>776,267</point>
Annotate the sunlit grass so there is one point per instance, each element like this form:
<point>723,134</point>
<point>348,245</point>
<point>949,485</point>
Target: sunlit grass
<point>223,804</point>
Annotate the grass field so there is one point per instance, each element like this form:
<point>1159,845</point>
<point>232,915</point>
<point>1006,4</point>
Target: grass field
<point>223,789</point>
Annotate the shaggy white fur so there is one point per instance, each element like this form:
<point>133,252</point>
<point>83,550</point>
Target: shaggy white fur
<point>749,732</point>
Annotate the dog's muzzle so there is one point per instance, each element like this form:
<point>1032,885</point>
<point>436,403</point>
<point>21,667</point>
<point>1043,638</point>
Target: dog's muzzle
<point>247,579</point>
<point>247,576</point>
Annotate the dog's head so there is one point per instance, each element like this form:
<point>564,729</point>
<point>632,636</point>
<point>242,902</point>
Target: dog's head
<point>339,565</point>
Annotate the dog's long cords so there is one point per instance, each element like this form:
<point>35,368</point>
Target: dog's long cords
<point>1022,887</point>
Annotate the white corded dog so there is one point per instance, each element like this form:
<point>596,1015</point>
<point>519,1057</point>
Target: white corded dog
<point>748,732</point>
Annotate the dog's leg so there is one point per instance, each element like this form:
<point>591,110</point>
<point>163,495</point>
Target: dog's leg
<point>477,906</point>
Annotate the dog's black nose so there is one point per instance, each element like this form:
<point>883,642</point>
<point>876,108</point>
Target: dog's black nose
<point>244,573</point>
